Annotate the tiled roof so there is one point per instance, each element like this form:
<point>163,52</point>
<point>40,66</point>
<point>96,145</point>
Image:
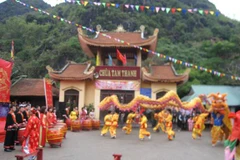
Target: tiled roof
<point>163,73</point>
<point>73,71</point>
<point>232,92</point>
<point>134,38</point>
<point>30,87</point>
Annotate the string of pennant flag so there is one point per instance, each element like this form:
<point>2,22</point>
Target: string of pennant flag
<point>141,8</point>
<point>171,59</point>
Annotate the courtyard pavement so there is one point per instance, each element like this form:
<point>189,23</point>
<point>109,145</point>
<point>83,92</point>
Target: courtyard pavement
<point>89,145</point>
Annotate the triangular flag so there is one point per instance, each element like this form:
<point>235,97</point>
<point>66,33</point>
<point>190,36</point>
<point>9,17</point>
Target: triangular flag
<point>85,3</point>
<point>132,6</point>
<point>104,4</point>
<point>217,14</point>
<point>93,3</point>
<point>211,12</point>
<point>179,9</point>
<point>113,4</point>
<point>195,10</point>
<point>190,10</point>
<point>127,5</point>
<point>147,7</point>
<point>152,8</point>
<point>201,12</point>
<point>137,7</point>
<point>173,10</point>
<point>157,9</point>
<point>206,11</point>
<point>117,5</point>
<point>163,9</point>
<point>167,10</point>
<point>142,8</point>
<point>99,3</point>
<point>108,5</point>
<point>184,11</point>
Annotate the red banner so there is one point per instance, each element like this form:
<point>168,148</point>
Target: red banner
<point>5,80</point>
<point>48,92</point>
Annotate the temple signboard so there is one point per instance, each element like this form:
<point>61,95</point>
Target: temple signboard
<point>117,72</point>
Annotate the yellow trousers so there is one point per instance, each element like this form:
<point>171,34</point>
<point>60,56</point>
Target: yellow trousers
<point>170,133</point>
<point>127,128</point>
<point>217,134</point>
<point>105,129</point>
<point>113,131</point>
<point>143,133</point>
<point>196,133</point>
<point>159,125</point>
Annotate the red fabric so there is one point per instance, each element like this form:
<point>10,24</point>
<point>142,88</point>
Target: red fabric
<point>32,135</point>
<point>236,127</point>
<point>2,131</point>
<point>5,83</point>
<point>48,92</point>
<point>121,57</point>
<point>50,119</point>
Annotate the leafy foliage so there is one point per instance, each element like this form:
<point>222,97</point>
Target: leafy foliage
<point>208,41</point>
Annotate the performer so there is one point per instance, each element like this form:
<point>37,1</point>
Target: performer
<point>108,122</point>
<point>83,115</point>
<point>54,115</point>
<point>10,128</point>
<point>128,127</point>
<point>199,125</point>
<point>31,134</point>
<point>168,123</point>
<point>43,127</point>
<point>114,125</point>
<point>160,118</point>
<point>216,131</point>
<point>20,122</point>
<point>73,115</point>
<point>50,118</point>
<point>92,114</point>
<point>66,114</point>
<point>143,128</point>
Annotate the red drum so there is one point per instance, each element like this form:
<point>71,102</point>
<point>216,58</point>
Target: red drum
<point>87,124</point>
<point>54,136</point>
<point>63,127</point>
<point>95,124</point>
<point>75,125</point>
<point>20,135</point>
<point>68,122</point>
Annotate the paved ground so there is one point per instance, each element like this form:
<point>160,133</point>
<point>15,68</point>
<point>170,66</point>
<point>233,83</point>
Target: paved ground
<point>89,145</point>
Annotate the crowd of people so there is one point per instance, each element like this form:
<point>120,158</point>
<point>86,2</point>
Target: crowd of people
<point>34,121</point>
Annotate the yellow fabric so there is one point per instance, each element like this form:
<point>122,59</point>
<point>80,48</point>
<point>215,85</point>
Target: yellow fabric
<point>98,61</point>
<point>128,127</point>
<point>159,125</point>
<point>238,153</point>
<point>73,116</point>
<point>108,122</point>
<point>198,125</point>
<point>217,134</point>
<point>169,131</point>
<point>114,125</point>
<point>143,128</point>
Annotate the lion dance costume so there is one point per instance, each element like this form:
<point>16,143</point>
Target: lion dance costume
<point>232,149</point>
<point>143,128</point>
<point>114,125</point>
<point>128,127</point>
<point>216,131</point>
<point>199,125</point>
<point>160,118</point>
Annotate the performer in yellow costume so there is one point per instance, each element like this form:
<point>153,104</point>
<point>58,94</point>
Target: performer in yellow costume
<point>168,124</point>
<point>107,123</point>
<point>128,127</point>
<point>160,118</point>
<point>73,115</point>
<point>216,131</point>
<point>199,125</point>
<point>143,128</point>
<point>114,125</point>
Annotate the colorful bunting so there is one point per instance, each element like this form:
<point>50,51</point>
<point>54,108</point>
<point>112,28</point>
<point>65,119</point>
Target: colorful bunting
<point>216,73</point>
<point>142,8</point>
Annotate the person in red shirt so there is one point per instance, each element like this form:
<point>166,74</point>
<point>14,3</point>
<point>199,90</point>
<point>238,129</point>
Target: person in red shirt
<point>43,127</point>
<point>31,134</point>
<point>50,117</point>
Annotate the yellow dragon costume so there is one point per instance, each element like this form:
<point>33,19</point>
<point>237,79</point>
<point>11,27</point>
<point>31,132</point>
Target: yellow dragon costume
<point>128,127</point>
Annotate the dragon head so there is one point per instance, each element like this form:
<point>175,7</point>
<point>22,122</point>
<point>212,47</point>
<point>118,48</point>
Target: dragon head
<point>219,101</point>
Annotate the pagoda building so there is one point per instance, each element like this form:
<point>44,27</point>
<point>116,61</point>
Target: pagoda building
<point>118,70</point>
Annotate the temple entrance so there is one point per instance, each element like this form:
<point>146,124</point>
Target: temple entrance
<point>123,96</point>
<point>71,98</point>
